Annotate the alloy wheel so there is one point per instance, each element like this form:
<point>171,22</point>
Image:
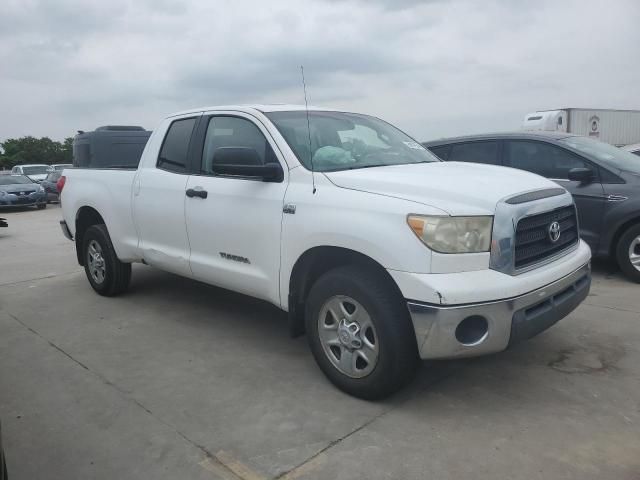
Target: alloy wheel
<point>348,336</point>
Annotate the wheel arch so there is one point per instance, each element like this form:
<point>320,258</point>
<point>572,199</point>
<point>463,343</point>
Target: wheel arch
<point>313,263</point>
<point>623,227</point>
<point>86,217</point>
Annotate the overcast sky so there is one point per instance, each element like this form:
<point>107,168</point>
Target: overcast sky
<point>434,68</point>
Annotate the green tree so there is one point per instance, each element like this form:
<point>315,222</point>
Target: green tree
<point>35,150</point>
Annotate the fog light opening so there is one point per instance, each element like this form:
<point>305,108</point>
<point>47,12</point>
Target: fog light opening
<point>472,330</point>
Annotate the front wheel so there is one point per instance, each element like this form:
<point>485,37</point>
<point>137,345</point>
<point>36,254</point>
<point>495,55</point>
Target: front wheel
<point>106,273</point>
<point>628,253</point>
<point>40,206</point>
<point>360,332</point>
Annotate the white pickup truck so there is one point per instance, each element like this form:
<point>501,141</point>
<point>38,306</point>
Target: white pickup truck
<point>376,249</point>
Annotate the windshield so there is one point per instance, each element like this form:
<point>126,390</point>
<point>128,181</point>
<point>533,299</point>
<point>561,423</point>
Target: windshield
<point>35,170</point>
<point>345,141</point>
<point>13,179</point>
<point>608,154</point>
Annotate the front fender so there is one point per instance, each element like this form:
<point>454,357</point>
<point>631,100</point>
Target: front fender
<point>370,224</point>
<point>616,219</point>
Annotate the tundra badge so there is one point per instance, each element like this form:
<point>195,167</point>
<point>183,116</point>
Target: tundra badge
<point>289,208</point>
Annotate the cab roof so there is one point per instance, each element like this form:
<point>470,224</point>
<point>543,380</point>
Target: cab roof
<point>252,108</point>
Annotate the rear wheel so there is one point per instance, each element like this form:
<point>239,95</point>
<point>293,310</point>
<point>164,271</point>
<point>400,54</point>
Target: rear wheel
<point>106,273</point>
<point>40,206</point>
<point>360,332</point>
<point>628,253</point>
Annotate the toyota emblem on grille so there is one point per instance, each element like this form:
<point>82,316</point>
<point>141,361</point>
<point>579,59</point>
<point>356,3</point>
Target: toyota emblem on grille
<point>554,232</point>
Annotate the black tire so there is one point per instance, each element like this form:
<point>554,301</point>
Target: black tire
<point>622,252</point>
<point>117,274</point>
<point>41,206</point>
<point>398,354</point>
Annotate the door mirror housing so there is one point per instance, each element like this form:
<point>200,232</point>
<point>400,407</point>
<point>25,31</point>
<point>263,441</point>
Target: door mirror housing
<point>582,175</point>
<point>269,172</point>
<point>245,162</point>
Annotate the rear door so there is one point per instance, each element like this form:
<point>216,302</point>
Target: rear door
<point>159,200</point>
<point>234,228</point>
<point>554,163</point>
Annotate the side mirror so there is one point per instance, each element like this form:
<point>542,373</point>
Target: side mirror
<point>270,172</point>
<point>244,162</point>
<point>582,175</point>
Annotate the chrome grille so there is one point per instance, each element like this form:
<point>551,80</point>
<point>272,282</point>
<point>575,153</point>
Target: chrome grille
<point>533,242</point>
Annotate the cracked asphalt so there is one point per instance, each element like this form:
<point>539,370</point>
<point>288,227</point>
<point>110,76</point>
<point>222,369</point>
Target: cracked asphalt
<point>177,379</point>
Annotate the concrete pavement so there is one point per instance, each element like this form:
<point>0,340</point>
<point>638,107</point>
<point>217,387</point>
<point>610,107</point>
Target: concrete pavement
<point>177,379</point>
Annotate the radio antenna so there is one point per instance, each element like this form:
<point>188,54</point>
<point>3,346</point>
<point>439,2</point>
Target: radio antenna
<point>306,107</point>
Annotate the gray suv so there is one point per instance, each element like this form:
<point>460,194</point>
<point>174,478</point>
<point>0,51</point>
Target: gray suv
<point>604,181</point>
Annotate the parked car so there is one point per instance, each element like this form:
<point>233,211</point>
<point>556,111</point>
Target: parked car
<point>20,190</point>
<point>603,179</point>
<point>36,172</point>
<point>635,149</point>
<point>58,167</point>
<point>381,252</point>
<point>50,185</point>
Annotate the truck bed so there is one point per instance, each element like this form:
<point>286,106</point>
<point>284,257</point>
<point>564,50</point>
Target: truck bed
<point>111,190</point>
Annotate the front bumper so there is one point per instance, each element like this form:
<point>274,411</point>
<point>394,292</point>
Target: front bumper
<point>53,196</point>
<point>441,333</point>
<point>11,200</point>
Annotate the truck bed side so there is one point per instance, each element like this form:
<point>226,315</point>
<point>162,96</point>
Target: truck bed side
<point>109,193</point>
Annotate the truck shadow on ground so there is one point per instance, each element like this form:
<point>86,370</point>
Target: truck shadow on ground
<point>606,267</point>
<point>5,210</point>
<point>256,324</point>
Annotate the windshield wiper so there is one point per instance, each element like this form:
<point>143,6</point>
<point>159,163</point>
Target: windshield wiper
<point>377,165</point>
<point>367,166</point>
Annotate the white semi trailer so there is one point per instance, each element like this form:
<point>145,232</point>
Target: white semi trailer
<point>617,127</point>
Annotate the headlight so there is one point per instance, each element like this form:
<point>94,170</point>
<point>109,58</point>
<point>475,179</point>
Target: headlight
<point>41,189</point>
<point>453,234</point>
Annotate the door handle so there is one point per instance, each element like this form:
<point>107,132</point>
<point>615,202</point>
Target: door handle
<point>191,192</point>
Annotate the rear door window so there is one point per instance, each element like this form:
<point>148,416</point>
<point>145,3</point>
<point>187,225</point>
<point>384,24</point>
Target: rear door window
<point>477,152</point>
<point>542,158</point>
<point>173,154</point>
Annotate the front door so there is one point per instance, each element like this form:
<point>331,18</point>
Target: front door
<point>234,228</point>
<point>554,163</point>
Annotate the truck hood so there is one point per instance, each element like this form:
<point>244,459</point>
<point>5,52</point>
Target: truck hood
<point>455,187</point>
